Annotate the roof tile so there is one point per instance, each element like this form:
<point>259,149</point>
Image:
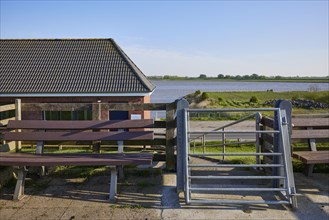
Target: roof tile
<point>68,66</point>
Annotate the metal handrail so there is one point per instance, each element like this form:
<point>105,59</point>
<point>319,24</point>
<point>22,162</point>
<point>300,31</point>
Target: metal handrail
<point>235,131</point>
<point>233,110</point>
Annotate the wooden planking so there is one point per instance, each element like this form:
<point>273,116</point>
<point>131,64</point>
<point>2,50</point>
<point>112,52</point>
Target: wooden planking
<point>268,122</point>
<point>56,106</point>
<point>80,125</point>
<point>312,157</point>
<point>8,107</point>
<point>134,106</point>
<point>88,106</point>
<point>5,121</point>
<point>310,122</point>
<point>160,124</point>
<point>155,141</point>
<point>26,159</point>
<point>310,134</point>
<point>78,136</point>
<point>267,138</point>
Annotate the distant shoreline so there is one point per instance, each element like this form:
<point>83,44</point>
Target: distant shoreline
<point>232,80</point>
<point>290,79</point>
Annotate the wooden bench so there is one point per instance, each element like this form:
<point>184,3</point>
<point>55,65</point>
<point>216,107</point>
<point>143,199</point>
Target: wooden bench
<point>310,130</point>
<point>41,131</point>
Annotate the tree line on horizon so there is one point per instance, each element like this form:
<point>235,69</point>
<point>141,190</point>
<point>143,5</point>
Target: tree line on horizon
<point>253,76</point>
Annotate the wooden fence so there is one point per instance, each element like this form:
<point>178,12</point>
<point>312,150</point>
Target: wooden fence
<point>165,130</point>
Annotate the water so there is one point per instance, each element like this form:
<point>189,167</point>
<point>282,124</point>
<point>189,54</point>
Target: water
<point>169,91</point>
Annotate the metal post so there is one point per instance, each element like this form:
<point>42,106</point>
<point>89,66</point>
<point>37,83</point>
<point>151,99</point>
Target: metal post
<point>203,144</point>
<point>283,105</point>
<point>289,180</point>
<point>258,150</point>
<point>186,168</point>
<point>181,142</point>
<point>224,146</point>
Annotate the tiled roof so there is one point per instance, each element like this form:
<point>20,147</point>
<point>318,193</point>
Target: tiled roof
<point>68,66</point>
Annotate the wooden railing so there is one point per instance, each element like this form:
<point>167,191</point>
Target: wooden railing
<point>4,121</point>
<point>3,110</point>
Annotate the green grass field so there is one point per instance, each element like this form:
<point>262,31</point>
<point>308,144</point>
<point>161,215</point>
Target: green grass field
<point>260,99</point>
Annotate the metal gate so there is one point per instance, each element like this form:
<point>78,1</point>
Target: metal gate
<point>215,177</point>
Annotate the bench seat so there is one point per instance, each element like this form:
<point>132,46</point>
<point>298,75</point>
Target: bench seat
<point>94,131</point>
<point>69,159</point>
<point>78,136</point>
<point>24,160</point>
<point>312,157</point>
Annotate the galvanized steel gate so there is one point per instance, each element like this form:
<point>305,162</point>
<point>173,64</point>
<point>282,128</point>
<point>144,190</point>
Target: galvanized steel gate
<point>208,181</point>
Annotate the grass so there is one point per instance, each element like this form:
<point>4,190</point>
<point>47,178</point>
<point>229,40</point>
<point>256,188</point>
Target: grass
<point>79,171</point>
<point>243,99</point>
<point>210,148</point>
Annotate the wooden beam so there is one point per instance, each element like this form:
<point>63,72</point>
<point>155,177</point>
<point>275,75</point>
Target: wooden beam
<point>78,136</point>
<point>170,137</point>
<point>4,122</point>
<point>9,107</point>
<point>312,157</point>
<point>56,106</point>
<point>80,125</point>
<point>18,116</point>
<point>268,122</point>
<point>25,159</point>
<point>309,134</point>
<point>310,122</point>
<point>155,141</point>
<point>133,106</point>
<point>88,106</point>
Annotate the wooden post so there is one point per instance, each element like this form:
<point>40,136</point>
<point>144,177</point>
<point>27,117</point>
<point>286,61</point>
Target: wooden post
<point>18,116</point>
<point>170,137</point>
<point>96,111</point>
<point>96,115</point>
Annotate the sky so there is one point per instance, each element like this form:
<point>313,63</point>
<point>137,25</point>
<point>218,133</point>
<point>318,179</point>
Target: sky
<point>188,38</point>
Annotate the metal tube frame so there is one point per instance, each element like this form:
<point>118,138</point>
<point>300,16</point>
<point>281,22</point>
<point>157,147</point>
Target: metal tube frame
<point>284,151</point>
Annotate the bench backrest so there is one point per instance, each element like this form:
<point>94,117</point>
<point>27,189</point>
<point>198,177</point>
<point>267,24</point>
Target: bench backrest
<point>79,125</point>
<point>306,128</point>
<point>310,130</point>
<point>38,130</point>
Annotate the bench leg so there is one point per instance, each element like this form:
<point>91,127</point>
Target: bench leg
<point>19,189</point>
<point>39,150</point>
<point>120,150</point>
<point>113,183</point>
<point>309,169</point>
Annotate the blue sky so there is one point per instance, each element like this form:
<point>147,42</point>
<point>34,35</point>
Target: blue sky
<point>188,38</point>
